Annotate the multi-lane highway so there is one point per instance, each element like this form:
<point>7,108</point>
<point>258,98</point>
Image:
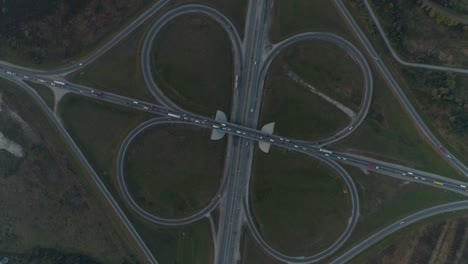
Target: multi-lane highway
<point>233,129</point>
<point>252,58</point>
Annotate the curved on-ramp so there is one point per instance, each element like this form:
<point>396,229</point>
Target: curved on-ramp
<point>128,197</point>
<point>335,246</point>
<point>355,54</point>
<point>166,18</point>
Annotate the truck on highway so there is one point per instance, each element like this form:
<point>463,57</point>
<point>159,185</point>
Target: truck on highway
<point>438,183</point>
<point>372,167</point>
<point>326,151</point>
<point>237,82</point>
<point>173,115</point>
<point>58,82</point>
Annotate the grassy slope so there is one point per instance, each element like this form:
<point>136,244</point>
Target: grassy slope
<point>63,200</point>
<point>174,170</point>
<point>45,92</point>
<point>252,254</point>
<point>289,104</point>
<point>328,68</point>
<point>100,144</point>
<point>192,63</point>
<point>118,71</point>
<point>279,203</point>
<point>293,17</point>
<point>234,10</point>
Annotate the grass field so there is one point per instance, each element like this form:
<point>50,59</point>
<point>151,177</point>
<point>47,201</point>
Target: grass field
<point>293,190</point>
<point>438,239</point>
<point>328,68</point>
<point>174,170</point>
<point>100,145</point>
<point>191,244</point>
<point>293,17</point>
<point>252,254</point>
<point>118,71</point>
<point>192,63</point>
<point>48,195</point>
<point>45,92</point>
<point>288,103</point>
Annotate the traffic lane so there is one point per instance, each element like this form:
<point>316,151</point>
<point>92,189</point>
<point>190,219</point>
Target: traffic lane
<point>396,170</point>
<point>227,128</point>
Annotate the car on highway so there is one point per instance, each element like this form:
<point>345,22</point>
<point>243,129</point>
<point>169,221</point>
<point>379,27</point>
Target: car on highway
<point>442,148</point>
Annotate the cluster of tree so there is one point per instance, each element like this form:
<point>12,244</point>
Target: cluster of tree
<point>446,88</point>
<point>439,17</point>
<point>395,28</point>
<point>446,95</point>
<point>459,6</point>
<point>41,31</point>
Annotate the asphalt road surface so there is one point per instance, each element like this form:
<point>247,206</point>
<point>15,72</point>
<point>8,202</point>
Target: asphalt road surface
<point>252,60</point>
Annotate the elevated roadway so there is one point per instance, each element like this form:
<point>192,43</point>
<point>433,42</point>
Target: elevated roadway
<point>241,132</point>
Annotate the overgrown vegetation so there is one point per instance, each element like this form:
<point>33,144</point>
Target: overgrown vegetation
<point>47,199</point>
<point>49,33</point>
<point>192,63</point>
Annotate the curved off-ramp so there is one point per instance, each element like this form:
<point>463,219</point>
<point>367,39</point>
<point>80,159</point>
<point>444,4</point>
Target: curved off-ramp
<point>128,197</point>
<point>354,53</point>
<point>166,18</point>
<point>335,246</point>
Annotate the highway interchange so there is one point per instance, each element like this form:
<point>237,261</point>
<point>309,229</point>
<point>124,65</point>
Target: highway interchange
<point>252,58</point>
